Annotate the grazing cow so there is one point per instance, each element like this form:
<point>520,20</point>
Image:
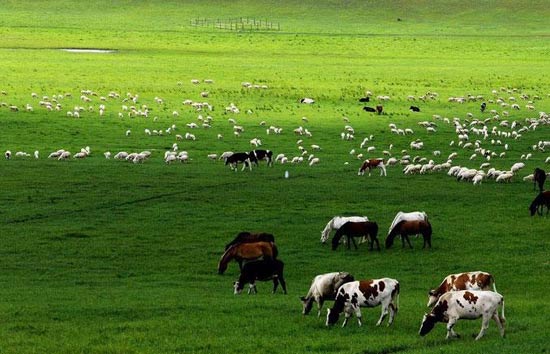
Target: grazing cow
<point>482,107</point>
<point>324,287</point>
<point>379,109</point>
<point>236,158</point>
<point>262,270</point>
<point>414,109</point>
<point>462,281</point>
<point>369,109</point>
<point>364,99</point>
<point>256,155</point>
<point>465,304</point>
<point>365,293</point>
<point>539,176</point>
<point>370,164</point>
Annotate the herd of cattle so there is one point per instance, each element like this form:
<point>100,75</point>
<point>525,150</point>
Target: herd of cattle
<point>469,295</point>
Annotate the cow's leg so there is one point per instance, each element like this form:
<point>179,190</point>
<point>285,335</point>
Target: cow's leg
<point>320,302</point>
<point>383,314</point>
<point>275,284</point>
<point>283,283</point>
<point>358,315</point>
<point>500,325</point>
<point>450,331</point>
<point>393,311</point>
<point>484,326</point>
<point>252,288</point>
<point>347,315</point>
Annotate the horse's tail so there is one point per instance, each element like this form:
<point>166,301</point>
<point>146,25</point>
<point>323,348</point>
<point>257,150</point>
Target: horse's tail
<point>274,250</point>
<point>326,231</point>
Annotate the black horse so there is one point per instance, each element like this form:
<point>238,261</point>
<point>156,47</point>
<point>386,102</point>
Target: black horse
<point>357,229</point>
<point>540,201</point>
<point>539,176</point>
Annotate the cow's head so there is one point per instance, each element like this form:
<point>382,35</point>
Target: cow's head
<point>432,298</point>
<point>428,323</point>
<point>332,317</point>
<point>307,304</point>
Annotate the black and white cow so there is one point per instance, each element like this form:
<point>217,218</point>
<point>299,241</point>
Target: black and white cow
<point>237,158</point>
<point>465,304</point>
<point>414,109</point>
<point>257,155</point>
<point>365,293</point>
<point>324,287</point>
<point>369,109</point>
<point>262,270</point>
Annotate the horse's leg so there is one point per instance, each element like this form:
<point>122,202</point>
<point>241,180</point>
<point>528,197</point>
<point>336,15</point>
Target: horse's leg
<point>409,241</point>
<point>275,283</point>
<point>353,240</point>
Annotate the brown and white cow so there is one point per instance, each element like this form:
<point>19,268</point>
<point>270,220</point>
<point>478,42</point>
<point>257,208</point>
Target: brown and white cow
<point>365,293</point>
<point>462,281</point>
<point>369,164</point>
<point>465,304</point>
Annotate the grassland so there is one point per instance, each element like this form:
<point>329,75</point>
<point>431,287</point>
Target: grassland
<point>103,256</point>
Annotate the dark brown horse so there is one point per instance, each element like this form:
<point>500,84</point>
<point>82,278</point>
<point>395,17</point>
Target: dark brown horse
<point>539,176</point>
<point>411,227</point>
<point>357,229</point>
<point>540,201</point>
<point>247,251</point>
<point>247,237</point>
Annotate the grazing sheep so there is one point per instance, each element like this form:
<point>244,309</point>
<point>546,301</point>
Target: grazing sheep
<point>307,100</point>
<point>314,161</point>
<point>213,156</point>
<point>517,166</point>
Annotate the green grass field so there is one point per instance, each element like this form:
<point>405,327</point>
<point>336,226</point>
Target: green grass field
<point>106,256</point>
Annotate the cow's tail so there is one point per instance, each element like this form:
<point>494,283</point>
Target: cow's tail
<point>502,317</point>
<point>494,285</point>
<point>395,297</point>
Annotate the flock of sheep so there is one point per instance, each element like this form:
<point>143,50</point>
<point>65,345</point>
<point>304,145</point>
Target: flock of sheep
<point>484,139</point>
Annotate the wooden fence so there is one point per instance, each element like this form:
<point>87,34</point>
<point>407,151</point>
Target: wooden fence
<point>237,24</point>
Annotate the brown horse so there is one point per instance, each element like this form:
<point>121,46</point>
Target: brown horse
<point>540,201</point>
<point>247,237</point>
<point>357,229</point>
<point>412,227</point>
<point>247,251</point>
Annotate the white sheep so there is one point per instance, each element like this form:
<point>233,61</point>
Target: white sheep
<point>107,154</point>
<point>36,154</point>
<point>314,161</point>
<point>505,177</point>
<point>64,155</point>
<point>517,166</point>
<point>213,156</point>
<point>189,136</point>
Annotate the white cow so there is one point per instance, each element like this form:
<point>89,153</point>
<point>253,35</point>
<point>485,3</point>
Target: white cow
<point>465,304</point>
<point>324,287</point>
<point>401,216</point>
<point>336,222</point>
<point>365,293</point>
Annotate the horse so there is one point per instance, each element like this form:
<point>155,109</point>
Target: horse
<point>247,251</point>
<point>356,229</point>
<point>411,227</point>
<point>539,176</point>
<point>247,237</point>
<point>540,201</point>
<point>402,216</point>
<point>336,222</point>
